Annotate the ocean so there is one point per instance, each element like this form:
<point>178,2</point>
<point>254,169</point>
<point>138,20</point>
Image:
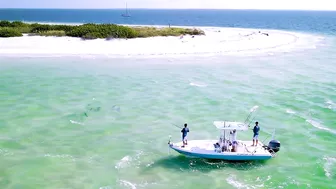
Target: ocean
<point>312,21</point>
<point>104,123</point>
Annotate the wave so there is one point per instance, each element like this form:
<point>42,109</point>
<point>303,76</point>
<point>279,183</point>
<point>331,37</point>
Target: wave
<point>128,160</point>
<point>4,152</point>
<point>328,166</point>
<point>75,122</point>
<point>105,187</point>
<point>123,162</point>
<point>320,126</point>
<point>235,183</point>
<point>62,156</point>
<point>127,183</point>
<point>197,84</point>
<point>289,111</point>
<point>330,105</point>
<point>311,121</point>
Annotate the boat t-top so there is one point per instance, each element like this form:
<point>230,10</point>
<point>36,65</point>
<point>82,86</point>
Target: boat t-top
<point>225,148</point>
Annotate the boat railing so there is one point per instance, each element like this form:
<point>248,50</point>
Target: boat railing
<point>246,149</point>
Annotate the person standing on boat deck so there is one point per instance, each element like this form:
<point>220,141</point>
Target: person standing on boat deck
<point>184,132</point>
<point>256,130</point>
<point>234,140</point>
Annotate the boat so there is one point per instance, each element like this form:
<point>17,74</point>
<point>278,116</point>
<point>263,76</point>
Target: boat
<point>126,14</point>
<point>222,149</point>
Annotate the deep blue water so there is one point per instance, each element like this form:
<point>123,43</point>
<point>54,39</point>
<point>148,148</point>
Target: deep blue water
<point>308,21</point>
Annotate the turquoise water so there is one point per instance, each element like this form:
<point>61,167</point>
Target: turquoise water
<point>104,123</point>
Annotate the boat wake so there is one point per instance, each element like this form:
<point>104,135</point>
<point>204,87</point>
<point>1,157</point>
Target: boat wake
<point>232,181</point>
<point>131,185</point>
<point>238,184</point>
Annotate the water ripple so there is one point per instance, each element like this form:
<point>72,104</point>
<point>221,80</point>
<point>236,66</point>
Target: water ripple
<point>124,135</point>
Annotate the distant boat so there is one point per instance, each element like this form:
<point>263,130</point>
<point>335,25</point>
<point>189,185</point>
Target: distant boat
<point>126,14</point>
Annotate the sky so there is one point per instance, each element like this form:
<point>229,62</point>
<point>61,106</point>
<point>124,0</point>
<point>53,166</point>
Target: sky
<point>174,4</point>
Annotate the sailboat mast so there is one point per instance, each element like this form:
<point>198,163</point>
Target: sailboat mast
<point>126,9</point>
<point>126,14</point>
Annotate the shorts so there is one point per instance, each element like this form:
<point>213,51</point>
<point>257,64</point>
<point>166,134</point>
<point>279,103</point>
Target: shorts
<point>255,137</point>
<point>184,138</point>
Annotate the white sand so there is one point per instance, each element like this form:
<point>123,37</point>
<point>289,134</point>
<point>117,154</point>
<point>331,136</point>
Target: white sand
<point>223,41</point>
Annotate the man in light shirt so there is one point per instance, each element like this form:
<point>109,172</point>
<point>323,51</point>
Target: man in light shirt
<point>234,140</point>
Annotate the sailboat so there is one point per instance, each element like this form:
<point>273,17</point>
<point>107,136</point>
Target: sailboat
<point>126,14</point>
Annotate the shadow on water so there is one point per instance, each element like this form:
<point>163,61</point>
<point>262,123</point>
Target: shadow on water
<point>183,163</point>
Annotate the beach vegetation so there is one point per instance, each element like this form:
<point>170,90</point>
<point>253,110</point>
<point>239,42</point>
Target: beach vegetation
<point>9,32</point>
<point>56,33</point>
<point>92,31</point>
<point>153,31</point>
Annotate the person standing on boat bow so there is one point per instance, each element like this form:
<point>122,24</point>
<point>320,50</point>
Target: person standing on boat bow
<point>184,132</point>
<point>256,130</point>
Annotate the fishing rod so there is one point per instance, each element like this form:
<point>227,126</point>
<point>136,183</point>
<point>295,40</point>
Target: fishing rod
<point>265,139</point>
<point>251,121</point>
<point>251,111</point>
<point>177,126</point>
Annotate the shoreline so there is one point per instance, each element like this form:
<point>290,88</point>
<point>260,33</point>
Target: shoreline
<point>173,26</point>
<point>160,26</point>
<point>90,30</point>
<point>216,41</point>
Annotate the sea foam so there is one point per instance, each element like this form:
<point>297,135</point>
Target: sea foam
<point>328,166</point>
<point>319,125</point>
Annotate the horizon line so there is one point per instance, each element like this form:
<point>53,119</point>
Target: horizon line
<point>322,10</point>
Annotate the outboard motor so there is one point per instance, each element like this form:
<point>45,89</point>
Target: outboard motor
<point>273,146</point>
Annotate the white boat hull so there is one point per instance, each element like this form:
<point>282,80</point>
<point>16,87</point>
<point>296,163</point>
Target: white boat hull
<point>205,149</point>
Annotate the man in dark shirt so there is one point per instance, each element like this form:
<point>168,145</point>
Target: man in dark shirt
<point>256,130</point>
<point>184,132</point>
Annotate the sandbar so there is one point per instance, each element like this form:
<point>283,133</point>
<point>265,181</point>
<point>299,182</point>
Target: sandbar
<point>216,41</point>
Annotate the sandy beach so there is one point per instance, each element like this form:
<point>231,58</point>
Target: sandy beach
<point>217,41</point>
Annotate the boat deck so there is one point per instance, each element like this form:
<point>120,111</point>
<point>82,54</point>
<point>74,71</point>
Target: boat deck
<point>206,149</point>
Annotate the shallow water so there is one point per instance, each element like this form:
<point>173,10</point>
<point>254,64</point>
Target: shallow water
<point>104,123</point>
